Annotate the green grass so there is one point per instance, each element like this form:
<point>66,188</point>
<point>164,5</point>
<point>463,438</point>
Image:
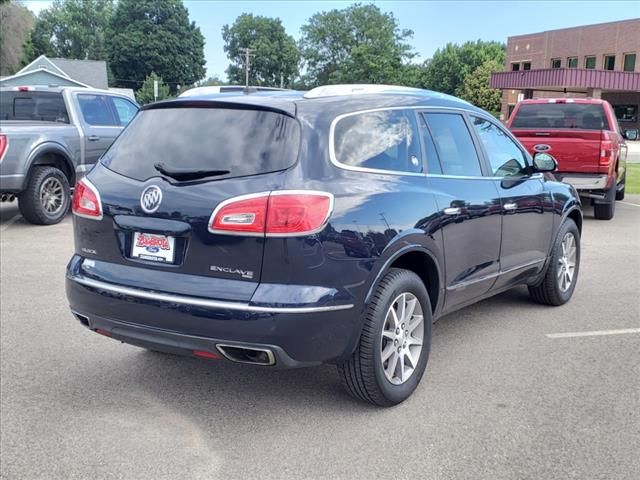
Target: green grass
<point>633,178</point>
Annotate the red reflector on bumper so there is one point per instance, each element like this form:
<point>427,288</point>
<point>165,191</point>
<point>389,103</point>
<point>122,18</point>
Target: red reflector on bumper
<point>106,333</point>
<point>209,355</point>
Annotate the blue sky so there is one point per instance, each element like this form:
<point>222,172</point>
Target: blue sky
<point>434,23</point>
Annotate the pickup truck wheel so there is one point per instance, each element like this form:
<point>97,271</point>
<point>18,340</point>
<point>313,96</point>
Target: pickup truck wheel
<point>393,350</point>
<point>562,270</point>
<point>47,197</point>
<point>620,191</point>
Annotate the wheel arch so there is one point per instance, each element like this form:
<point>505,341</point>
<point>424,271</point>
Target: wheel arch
<point>54,155</point>
<point>576,215</point>
<point>419,260</point>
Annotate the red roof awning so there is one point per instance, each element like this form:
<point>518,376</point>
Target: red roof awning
<point>567,78</point>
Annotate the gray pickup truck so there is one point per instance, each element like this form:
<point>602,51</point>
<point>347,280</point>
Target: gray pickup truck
<point>49,138</point>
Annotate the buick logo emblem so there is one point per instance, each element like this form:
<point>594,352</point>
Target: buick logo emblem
<point>542,147</point>
<point>151,198</point>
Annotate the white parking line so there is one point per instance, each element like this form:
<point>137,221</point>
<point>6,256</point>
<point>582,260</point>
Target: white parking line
<point>629,203</point>
<point>10,222</point>
<point>594,333</point>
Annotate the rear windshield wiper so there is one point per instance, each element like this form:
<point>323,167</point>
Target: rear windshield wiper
<point>185,174</point>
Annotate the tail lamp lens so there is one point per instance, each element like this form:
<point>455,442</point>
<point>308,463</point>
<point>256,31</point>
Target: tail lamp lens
<point>606,149</point>
<point>86,200</point>
<point>3,145</point>
<point>281,213</point>
<point>297,213</point>
<point>242,215</point>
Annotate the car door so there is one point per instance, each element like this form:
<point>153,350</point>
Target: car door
<point>469,208</point>
<point>527,222</point>
<point>100,125</point>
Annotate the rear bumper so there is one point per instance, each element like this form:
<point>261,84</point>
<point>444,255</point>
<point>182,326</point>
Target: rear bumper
<point>11,183</point>
<point>298,335</point>
<point>585,181</point>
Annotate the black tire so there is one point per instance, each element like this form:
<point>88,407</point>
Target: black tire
<point>620,192</point>
<point>605,211</point>
<point>549,292</point>
<point>363,374</point>
<point>30,201</point>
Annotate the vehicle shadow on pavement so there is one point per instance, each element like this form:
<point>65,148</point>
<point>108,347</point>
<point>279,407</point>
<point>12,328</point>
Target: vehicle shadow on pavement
<point>221,388</point>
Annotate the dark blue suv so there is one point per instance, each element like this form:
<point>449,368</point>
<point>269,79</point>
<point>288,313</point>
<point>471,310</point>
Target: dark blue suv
<point>288,229</point>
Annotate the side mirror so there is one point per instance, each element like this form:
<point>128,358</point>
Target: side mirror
<point>543,162</point>
<point>631,134</point>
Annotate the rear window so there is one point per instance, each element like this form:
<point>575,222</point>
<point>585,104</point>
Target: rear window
<point>42,106</point>
<point>561,115</point>
<point>244,142</point>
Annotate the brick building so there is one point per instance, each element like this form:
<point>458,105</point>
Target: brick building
<point>600,61</point>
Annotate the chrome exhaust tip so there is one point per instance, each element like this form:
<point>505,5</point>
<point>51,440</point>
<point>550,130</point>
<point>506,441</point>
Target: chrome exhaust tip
<point>252,355</point>
<point>83,319</point>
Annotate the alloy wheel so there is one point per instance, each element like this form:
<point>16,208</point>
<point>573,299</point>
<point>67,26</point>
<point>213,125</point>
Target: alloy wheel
<point>52,196</point>
<point>567,262</point>
<point>402,338</point>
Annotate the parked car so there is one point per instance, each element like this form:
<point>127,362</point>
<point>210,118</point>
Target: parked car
<point>49,138</point>
<point>586,140</point>
<point>235,235</point>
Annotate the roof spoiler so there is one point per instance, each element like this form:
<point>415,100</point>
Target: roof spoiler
<point>237,103</point>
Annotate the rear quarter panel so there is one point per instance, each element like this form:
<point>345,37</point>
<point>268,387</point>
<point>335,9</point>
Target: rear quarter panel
<point>27,140</point>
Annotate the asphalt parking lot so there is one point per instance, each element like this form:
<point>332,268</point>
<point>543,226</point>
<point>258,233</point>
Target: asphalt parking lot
<point>500,399</point>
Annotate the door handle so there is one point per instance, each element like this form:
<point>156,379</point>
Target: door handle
<point>93,138</point>
<point>510,206</point>
<point>452,211</point>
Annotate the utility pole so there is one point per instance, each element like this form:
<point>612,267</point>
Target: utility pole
<point>248,53</point>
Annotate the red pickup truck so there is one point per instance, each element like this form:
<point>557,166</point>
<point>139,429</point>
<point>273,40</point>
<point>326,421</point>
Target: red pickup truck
<point>584,137</point>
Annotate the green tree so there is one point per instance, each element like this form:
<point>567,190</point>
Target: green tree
<point>358,44</point>
<point>155,36</point>
<point>211,82</point>
<point>276,56</point>
<point>446,70</point>
<point>476,90</point>
<point>145,94</point>
<point>71,29</point>
<point>16,22</point>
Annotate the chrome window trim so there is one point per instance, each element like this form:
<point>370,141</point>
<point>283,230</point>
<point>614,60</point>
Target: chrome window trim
<point>334,160</point>
<point>199,302</point>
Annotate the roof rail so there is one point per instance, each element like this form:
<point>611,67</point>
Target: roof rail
<point>359,89</point>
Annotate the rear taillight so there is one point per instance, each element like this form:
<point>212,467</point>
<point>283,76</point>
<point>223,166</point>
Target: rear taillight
<point>276,214</point>
<point>3,145</point>
<point>86,200</point>
<point>606,148</point>
<point>297,212</point>
<point>244,215</point>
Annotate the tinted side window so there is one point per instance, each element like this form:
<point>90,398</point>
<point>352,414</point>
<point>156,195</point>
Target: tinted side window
<point>433,164</point>
<point>454,144</point>
<point>504,155</point>
<point>125,110</point>
<point>96,110</point>
<point>44,106</point>
<point>384,140</point>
